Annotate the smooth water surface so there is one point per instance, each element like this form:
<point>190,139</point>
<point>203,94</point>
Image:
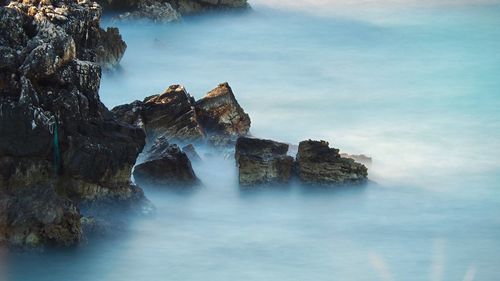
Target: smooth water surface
<point>417,88</point>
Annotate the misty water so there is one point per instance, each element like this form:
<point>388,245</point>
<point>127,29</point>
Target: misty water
<point>417,88</point>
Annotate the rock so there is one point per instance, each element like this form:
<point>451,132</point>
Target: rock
<point>37,216</point>
<point>165,165</point>
<point>154,10</point>
<point>219,113</point>
<point>191,153</point>
<point>318,163</point>
<point>262,161</point>
<point>175,116</point>
<point>361,158</point>
<point>179,6</point>
<point>172,115</point>
<point>55,132</point>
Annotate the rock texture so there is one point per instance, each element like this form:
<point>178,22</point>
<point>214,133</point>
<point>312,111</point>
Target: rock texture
<point>174,115</point>
<point>155,10</point>
<point>165,165</point>
<point>219,113</point>
<point>262,161</point>
<point>56,135</point>
<point>180,6</point>
<point>320,164</point>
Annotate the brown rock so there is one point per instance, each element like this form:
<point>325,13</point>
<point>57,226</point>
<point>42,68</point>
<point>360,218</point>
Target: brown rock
<point>262,161</point>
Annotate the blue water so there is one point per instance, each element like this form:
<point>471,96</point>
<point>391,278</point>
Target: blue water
<point>417,89</point>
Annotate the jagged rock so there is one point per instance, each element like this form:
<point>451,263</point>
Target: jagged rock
<point>165,165</point>
<point>36,216</point>
<point>55,132</point>
<point>219,113</point>
<point>155,10</point>
<point>130,113</point>
<point>172,115</point>
<point>318,163</point>
<point>262,161</point>
<point>66,29</point>
<point>191,153</point>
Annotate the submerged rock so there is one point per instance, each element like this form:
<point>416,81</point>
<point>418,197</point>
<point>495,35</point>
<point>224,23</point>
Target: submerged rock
<point>262,161</point>
<point>320,164</point>
<point>165,165</point>
<point>55,132</point>
<point>361,158</point>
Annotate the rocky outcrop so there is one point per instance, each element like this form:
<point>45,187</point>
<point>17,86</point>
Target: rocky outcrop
<point>262,161</point>
<point>180,6</point>
<point>165,165</point>
<point>177,117</point>
<point>318,163</point>
<point>361,158</point>
<point>55,132</point>
<point>155,10</point>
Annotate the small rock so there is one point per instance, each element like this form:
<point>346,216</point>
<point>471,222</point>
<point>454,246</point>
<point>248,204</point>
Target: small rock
<point>165,165</point>
<point>320,164</point>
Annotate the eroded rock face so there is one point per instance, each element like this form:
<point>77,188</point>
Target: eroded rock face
<point>55,132</point>
<point>191,153</point>
<point>262,161</point>
<point>165,165</point>
<point>220,114</point>
<point>318,163</point>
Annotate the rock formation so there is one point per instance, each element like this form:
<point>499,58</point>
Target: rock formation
<point>155,10</point>
<point>262,161</point>
<point>179,6</point>
<point>318,163</point>
<point>175,116</point>
<point>58,141</point>
<point>165,165</point>
<point>220,114</point>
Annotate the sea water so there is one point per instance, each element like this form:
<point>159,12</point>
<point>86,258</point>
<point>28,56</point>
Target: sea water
<point>414,86</point>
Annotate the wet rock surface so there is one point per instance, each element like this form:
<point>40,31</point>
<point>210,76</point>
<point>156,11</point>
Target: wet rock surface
<point>319,164</point>
<point>165,165</point>
<point>55,132</point>
<point>191,153</point>
<point>262,161</point>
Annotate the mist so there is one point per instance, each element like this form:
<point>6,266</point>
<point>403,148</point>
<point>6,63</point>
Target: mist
<point>413,84</point>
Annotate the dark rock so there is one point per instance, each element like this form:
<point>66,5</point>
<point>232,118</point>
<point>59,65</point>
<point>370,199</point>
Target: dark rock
<point>165,165</point>
<point>262,161</point>
<point>318,163</point>
<point>191,153</point>
<point>180,6</point>
<point>37,216</point>
<point>219,113</point>
<point>55,132</point>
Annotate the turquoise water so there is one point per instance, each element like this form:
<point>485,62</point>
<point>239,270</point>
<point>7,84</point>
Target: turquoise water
<point>418,89</point>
